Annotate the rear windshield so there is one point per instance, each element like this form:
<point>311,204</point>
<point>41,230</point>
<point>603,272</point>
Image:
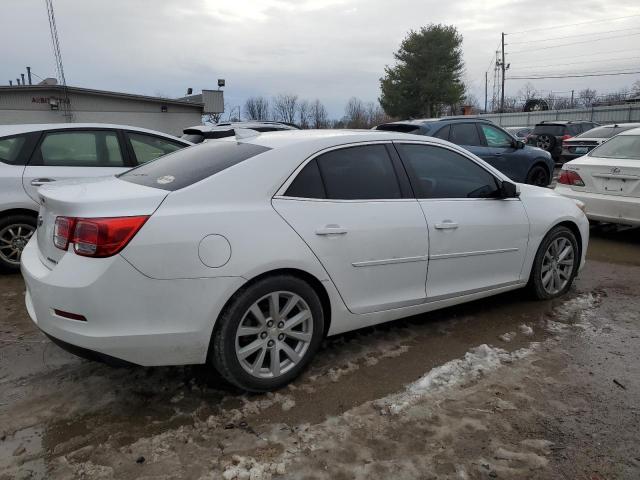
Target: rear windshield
<point>190,165</point>
<point>549,129</point>
<point>399,127</point>
<point>622,146</point>
<point>603,132</point>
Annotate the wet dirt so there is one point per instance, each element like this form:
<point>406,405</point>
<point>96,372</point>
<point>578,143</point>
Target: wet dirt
<point>504,387</point>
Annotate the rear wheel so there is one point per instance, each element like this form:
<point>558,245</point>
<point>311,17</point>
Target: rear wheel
<point>15,232</point>
<point>556,264</point>
<point>268,333</point>
<point>546,142</point>
<point>538,176</point>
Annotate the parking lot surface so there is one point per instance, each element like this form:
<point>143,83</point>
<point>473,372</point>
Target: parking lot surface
<point>504,387</point>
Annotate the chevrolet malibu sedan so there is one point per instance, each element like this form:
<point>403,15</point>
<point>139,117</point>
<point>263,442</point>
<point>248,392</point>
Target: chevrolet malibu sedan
<point>244,253</point>
<point>607,180</point>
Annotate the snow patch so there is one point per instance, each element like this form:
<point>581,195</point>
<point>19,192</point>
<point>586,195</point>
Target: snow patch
<point>526,329</point>
<point>507,337</point>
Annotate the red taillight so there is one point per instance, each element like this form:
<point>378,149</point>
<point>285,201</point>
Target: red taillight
<point>569,177</point>
<point>100,237</point>
<point>566,137</point>
<point>62,231</point>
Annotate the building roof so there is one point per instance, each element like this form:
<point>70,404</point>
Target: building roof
<point>35,89</point>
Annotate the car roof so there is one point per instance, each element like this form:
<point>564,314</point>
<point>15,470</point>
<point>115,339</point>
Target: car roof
<point>422,121</point>
<point>231,125</point>
<point>633,131</point>
<point>562,122</point>
<point>7,130</point>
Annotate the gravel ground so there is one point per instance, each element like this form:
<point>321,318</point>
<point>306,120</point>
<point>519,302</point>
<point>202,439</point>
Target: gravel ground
<point>504,387</point>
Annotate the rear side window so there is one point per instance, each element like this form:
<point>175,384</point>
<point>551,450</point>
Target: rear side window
<point>149,147</point>
<point>438,172</point>
<point>464,134</point>
<point>99,148</point>
<point>190,165</point>
<point>308,183</point>
<point>10,148</point>
<point>443,133</point>
<point>575,129</point>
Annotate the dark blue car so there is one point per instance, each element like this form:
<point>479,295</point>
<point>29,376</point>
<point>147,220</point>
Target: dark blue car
<point>521,163</point>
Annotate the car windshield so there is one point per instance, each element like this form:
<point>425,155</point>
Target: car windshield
<point>602,132</point>
<point>622,146</point>
<point>190,165</point>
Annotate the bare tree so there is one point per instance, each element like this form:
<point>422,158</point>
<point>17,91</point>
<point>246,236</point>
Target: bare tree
<point>355,114</point>
<point>528,92</point>
<point>587,97</point>
<point>285,106</point>
<point>304,114</point>
<point>635,88</point>
<point>375,115</point>
<point>256,108</point>
<point>318,115</point>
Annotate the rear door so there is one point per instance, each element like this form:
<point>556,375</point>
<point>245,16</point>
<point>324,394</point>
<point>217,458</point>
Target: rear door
<point>74,153</point>
<point>467,136</point>
<point>353,207</point>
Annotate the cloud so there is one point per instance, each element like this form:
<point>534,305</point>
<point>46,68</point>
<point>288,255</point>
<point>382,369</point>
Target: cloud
<point>326,49</point>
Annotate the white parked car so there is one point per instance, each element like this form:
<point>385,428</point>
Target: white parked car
<point>607,180</point>
<point>244,254</point>
<point>32,155</point>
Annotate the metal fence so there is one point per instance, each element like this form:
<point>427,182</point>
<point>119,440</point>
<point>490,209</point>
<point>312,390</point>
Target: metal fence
<point>608,114</point>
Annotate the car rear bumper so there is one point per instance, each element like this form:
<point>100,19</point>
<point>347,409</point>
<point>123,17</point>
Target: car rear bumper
<point>129,316</point>
<point>606,208</point>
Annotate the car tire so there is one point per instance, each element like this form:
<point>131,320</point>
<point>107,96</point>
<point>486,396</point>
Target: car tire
<point>546,142</point>
<point>538,176</point>
<point>256,350</point>
<point>554,267</point>
<point>15,231</point>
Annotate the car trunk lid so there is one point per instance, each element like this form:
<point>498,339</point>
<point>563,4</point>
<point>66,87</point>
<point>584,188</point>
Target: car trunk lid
<point>90,198</point>
<point>608,176</point>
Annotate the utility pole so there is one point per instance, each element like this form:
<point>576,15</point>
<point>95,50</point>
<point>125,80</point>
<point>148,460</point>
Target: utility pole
<point>486,81</point>
<point>571,98</point>
<point>502,66</point>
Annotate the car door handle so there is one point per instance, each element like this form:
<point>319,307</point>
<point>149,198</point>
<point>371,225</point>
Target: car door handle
<point>37,182</point>
<point>446,225</point>
<point>331,230</point>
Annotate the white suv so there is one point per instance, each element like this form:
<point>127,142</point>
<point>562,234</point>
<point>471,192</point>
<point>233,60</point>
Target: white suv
<point>32,155</point>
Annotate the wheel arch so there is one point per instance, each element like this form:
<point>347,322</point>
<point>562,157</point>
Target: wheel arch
<point>575,230</point>
<point>18,211</point>
<point>539,162</point>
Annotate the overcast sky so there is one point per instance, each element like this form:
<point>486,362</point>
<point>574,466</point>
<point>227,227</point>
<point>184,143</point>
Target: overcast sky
<point>326,49</point>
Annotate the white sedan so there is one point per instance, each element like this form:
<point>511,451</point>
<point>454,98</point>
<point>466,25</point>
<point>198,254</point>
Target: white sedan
<point>244,254</point>
<point>607,180</point>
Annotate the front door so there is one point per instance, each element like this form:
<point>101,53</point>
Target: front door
<point>349,207</point>
<point>505,156</point>
<point>468,137</point>
<point>477,241</point>
<point>70,153</point>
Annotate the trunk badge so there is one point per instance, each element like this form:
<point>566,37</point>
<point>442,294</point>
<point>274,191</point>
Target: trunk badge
<point>615,170</point>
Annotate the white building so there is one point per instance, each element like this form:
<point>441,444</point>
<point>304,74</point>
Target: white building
<point>46,104</point>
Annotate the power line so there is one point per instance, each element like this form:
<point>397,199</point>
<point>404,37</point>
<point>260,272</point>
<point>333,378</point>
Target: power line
<point>572,36</point>
<point>634,50</point>
<point>576,76</point>
<point>602,68</point>
<point>545,65</point>
<point>573,24</point>
<point>578,43</point>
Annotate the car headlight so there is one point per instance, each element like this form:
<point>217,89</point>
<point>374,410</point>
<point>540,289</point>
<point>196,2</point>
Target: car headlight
<point>581,206</point>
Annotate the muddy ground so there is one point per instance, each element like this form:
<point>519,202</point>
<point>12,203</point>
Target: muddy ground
<point>505,387</point>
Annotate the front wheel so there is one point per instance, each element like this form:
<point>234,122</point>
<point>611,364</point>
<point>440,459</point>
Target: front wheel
<point>538,176</point>
<point>268,333</point>
<point>556,264</point>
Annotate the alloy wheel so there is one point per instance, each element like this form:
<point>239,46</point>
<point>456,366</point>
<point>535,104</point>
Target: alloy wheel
<point>13,239</point>
<point>543,142</point>
<point>557,265</point>
<point>274,334</point>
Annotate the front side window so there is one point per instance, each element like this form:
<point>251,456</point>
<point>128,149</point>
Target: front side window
<point>438,172</point>
<point>10,148</point>
<point>150,147</point>
<point>495,137</point>
<point>98,148</point>
<point>622,146</point>
<point>359,173</point>
<point>464,134</point>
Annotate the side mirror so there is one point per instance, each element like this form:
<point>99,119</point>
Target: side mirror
<point>509,190</point>
<point>519,144</point>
